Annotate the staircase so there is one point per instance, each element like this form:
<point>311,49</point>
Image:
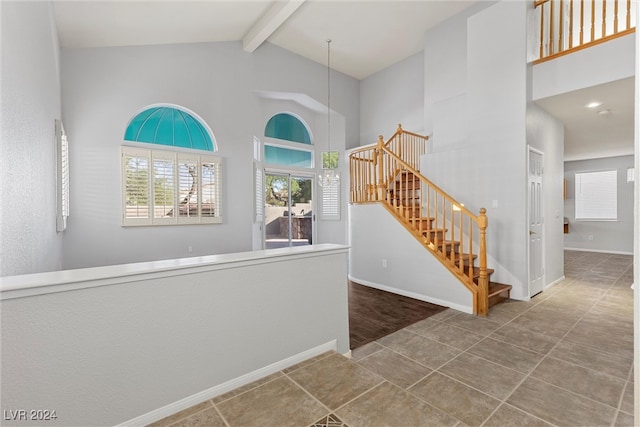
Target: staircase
<point>388,173</point>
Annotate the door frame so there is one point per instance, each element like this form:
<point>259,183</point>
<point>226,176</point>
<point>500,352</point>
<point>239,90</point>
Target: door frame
<point>291,173</point>
<point>530,150</point>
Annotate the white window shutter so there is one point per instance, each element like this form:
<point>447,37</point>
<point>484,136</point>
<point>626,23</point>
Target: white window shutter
<point>330,202</point>
<point>259,193</point>
<point>136,179</point>
<point>62,176</point>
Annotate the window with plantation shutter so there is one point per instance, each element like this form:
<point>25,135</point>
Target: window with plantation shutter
<point>135,165</point>
<point>188,189</point>
<point>62,176</point>
<point>165,187</point>
<point>330,202</point>
<point>259,193</point>
<point>210,173</point>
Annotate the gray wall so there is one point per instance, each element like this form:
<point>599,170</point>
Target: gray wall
<point>608,236</point>
<point>390,97</point>
<point>30,102</point>
<point>103,88</point>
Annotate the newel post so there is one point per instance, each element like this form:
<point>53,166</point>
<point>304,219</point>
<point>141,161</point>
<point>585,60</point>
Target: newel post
<point>380,166</point>
<point>400,140</point>
<point>483,281</point>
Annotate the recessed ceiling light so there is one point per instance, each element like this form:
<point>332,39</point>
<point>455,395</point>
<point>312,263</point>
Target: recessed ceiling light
<point>593,104</point>
<point>604,112</point>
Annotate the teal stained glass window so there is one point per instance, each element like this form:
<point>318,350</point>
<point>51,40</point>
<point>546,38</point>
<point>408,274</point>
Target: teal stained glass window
<point>170,126</point>
<point>287,157</point>
<point>288,127</point>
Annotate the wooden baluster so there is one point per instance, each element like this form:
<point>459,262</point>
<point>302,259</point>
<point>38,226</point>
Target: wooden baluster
<point>470,270</point>
<point>399,136</point>
<point>571,23</point>
<point>366,178</point>
<point>551,43</point>
<point>593,20</point>
<point>460,238</point>
<point>581,22</point>
<point>629,14</point>
<point>355,183</point>
<point>352,167</point>
<point>483,280</point>
<point>542,31</point>
<point>380,171</point>
<point>428,213</point>
<point>560,35</point>
<point>410,200</point>
<point>604,19</point>
<point>615,16</point>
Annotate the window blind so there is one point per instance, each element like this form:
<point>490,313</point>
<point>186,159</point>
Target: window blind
<point>596,196</point>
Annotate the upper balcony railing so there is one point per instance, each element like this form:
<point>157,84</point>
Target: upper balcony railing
<point>565,26</point>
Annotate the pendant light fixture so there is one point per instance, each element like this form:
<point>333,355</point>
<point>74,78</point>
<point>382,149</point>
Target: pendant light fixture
<point>329,177</point>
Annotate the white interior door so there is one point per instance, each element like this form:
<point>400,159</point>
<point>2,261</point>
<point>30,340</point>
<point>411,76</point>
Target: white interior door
<point>536,221</point>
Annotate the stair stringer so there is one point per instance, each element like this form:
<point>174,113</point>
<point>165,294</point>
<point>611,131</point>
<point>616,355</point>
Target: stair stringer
<point>375,235</point>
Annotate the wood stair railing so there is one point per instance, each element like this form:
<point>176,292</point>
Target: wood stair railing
<point>388,173</point>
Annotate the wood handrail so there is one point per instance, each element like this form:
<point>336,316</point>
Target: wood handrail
<point>434,187</point>
<point>388,173</point>
<point>564,28</point>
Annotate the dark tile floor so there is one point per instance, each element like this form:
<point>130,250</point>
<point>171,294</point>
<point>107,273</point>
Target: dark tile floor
<point>564,359</point>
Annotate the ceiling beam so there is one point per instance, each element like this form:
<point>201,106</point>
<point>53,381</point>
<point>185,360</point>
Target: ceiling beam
<point>269,23</point>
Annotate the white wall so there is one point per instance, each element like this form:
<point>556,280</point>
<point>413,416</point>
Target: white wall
<point>608,236</point>
<point>103,88</point>
<point>479,127</point>
<point>546,133</point>
<point>30,102</point>
<point>410,269</point>
<point>390,97</point>
<point>475,108</point>
<point>107,345</point>
<point>602,63</point>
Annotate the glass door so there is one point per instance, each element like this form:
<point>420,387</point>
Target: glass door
<point>289,218</point>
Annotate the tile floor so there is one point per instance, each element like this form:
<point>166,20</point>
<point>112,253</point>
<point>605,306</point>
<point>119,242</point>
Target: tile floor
<point>564,358</point>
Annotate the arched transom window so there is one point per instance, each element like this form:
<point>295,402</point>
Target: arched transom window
<point>167,184</point>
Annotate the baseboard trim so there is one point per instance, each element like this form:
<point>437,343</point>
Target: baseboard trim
<point>599,251</point>
<point>187,402</point>
<point>555,282</point>
<point>413,295</point>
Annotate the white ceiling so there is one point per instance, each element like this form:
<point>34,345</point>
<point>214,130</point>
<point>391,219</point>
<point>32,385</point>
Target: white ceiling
<point>604,131</point>
<point>367,36</point>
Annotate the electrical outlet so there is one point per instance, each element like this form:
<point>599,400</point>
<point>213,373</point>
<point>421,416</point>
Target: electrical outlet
<point>190,249</point>
<point>384,263</point>
<point>590,237</point>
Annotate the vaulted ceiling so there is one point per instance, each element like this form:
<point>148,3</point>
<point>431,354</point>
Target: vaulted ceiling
<point>367,36</point>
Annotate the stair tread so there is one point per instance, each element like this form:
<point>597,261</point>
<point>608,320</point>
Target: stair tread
<point>498,288</point>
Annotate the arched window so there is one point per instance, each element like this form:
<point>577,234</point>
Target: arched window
<point>170,186</point>
<point>288,127</point>
<point>172,126</point>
